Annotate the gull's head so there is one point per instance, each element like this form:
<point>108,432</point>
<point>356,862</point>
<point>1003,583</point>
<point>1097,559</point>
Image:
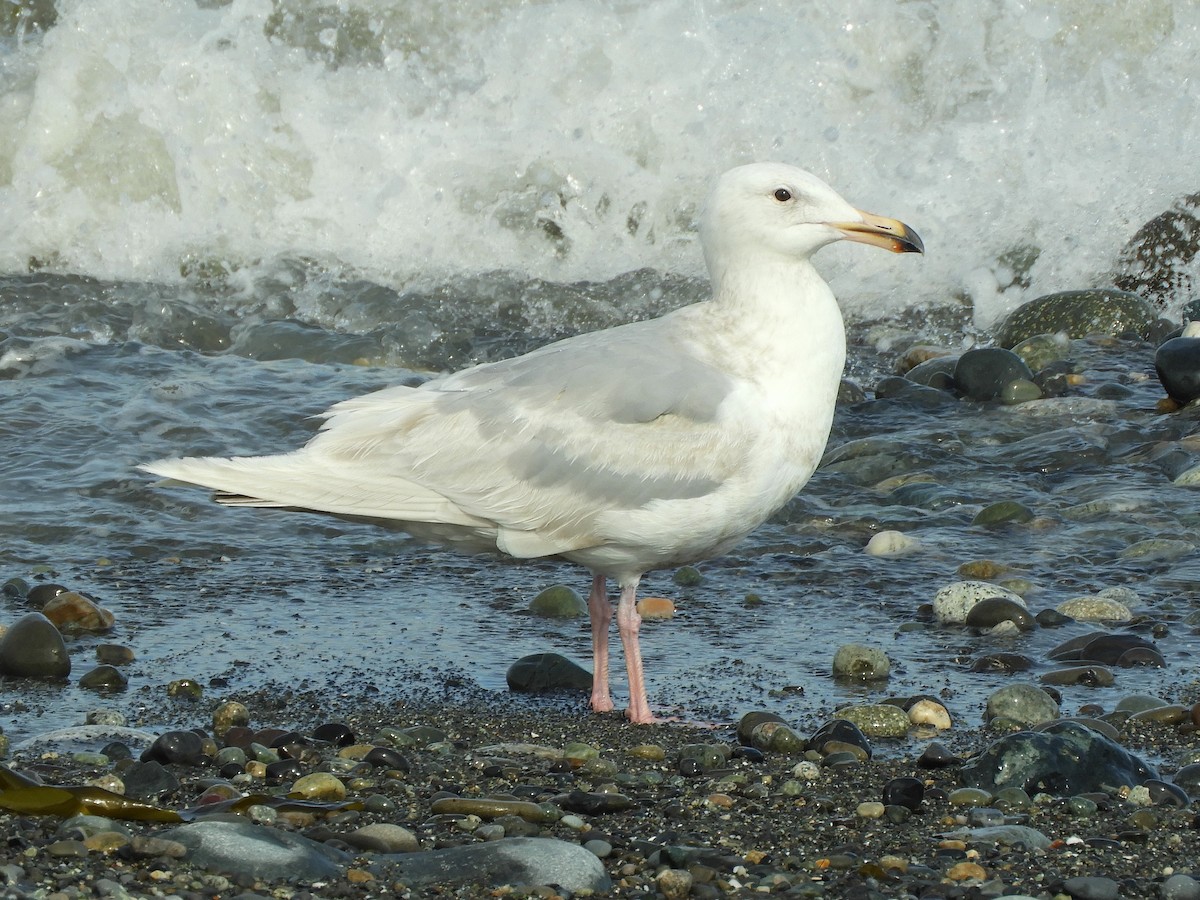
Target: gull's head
<point>776,207</point>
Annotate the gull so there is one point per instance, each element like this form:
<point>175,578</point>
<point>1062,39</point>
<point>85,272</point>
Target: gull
<point>650,445</point>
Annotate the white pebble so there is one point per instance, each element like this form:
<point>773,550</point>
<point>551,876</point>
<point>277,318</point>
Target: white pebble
<point>891,543</point>
<point>954,601</point>
<point>1095,609</point>
<point>929,712</point>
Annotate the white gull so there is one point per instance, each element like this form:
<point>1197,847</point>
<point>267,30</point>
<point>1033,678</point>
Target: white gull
<point>650,445</point>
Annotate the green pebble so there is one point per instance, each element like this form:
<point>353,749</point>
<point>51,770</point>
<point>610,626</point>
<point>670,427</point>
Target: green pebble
<point>969,796</point>
<point>227,755</point>
<point>687,576</point>
<point>1083,807</point>
<point>1002,513</point>
<point>423,735</point>
<point>1041,350</point>
<point>558,602</point>
<point>185,689</point>
<point>394,737</point>
<point>579,752</point>
<point>878,720</point>
<point>1019,390</point>
<point>1012,799</point>
<point>710,756</point>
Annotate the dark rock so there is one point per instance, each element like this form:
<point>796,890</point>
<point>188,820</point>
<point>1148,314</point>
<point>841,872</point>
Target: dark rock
<point>850,393</point>
<point>33,648</point>
<point>1078,313</point>
<point>518,861</point>
<point>1178,365</point>
<point>1163,793</point>
<point>1092,887</point>
<point>751,720</point>
<point>903,390</point>
<point>1065,759</point>
<point>1002,662</point>
<point>336,733</point>
<point>992,611</point>
<point>1155,262</point>
<point>243,848</point>
<point>593,804</point>
<point>937,756</point>
<point>41,594</point>
<point>541,672</point>
<point>906,791</point>
<point>1002,513</point>
<point>1092,676</point>
<point>1188,778</point>
<point>983,374</point>
<point>387,758</point>
<point>148,780</point>
<point>285,770</point>
<point>1109,649</point>
<point>183,747</point>
<point>936,373</point>
<point>843,731</point>
<point>104,678</point>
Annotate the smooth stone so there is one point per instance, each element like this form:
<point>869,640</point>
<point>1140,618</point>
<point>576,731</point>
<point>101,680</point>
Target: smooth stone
<point>148,780</point>
<point>104,678</point>
<point>542,672</point>
<point>859,662</point>
<point>891,543</point>
<point>1006,663</point>
<point>1041,350</point>
<point>982,374</point>
<point>1179,887</point>
<point>1171,714</point>
<point>651,608</point>
<point>877,720</point>
<point>382,837</point>
<point>934,373</point>
<point>517,861</point>
<point>185,689</point>
<point>952,603</point>
<point>1095,609</point>
<point>1188,778</point>
<point>1078,314</point>
<point>337,733</point>
<point>905,791</point>
<point>114,654</point>
<point>970,797</point>
<point>387,758</point>
<point>840,731</point>
<point>1027,704</point>
<point>1005,835</point>
<point>1109,649</point>
<point>937,756</point>
<point>1020,390</point>
<point>84,737</point>
<point>1091,676</point>
<point>320,786</point>
<point>1064,760</point>
<point>1177,362</point>
<point>229,714</point>
<point>72,612</point>
<point>1092,887</point>
<point>777,737</point>
<point>558,602</point>
<point>246,849</point>
<point>184,747</point>
<point>996,610</point>
<point>33,648</point>
<point>929,712</point>
<point>593,803</point>
<point>1164,793</point>
<point>1164,549</point>
<point>490,808</point>
<point>1002,513</point>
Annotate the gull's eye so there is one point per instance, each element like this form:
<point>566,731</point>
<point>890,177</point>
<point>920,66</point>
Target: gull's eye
<point>783,195</point>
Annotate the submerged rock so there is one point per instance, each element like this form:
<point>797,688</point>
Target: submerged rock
<point>1155,262</point>
<point>558,602</point>
<point>1078,313</point>
<point>1065,760</point>
<point>986,373</point>
<point>1177,362</point>
<point>542,672</point>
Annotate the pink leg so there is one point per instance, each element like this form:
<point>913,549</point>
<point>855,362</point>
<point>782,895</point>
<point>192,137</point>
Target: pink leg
<point>628,622</point>
<point>600,611</point>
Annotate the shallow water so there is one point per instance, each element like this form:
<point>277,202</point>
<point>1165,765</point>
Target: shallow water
<point>260,597</point>
<point>221,218</point>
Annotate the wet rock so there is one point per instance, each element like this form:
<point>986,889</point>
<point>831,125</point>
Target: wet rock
<point>490,808</point>
<point>1155,261</point>
<point>1109,649</point>
<point>1179,887</point>
<point>104,678</point>
<point>891,543</point>
<point>1026,704</point>
<point>877,720</point>
<point>41,594</point>
<point>148,781</point>
<point>935,373</point>
<point>651,608</point>
<point>542,672</point>
<point>983,374</point>
<point>1042,350</point>
<point>114,655</point>
<point>558,602</point>
<point>383,837</point>
<point>1095,609</point>
<point>1188,778</point>
<point>182,747</point>
<point>1091,676</point>
<point>953,602</point>
<point>1006,663</point>
<point>229,714</point>
<point>994,610</point>
<point>72,613</point>
<point>337,733</point>
<point>905,791</point>
<point>937,756</point>
<point>526,861</point>
<point>1078,313</point>
<point>592,803</point>
<point>1002,513</point>
<point>1005,835</point>
<point>929,712</point>
<point>861,663</point>
<point>255,851</point>
<point>387,758</point>
<point>33,648</point>
<point>319,786</point>
<point>840,731</point>
<point>1177,362</point>
<point>1064,760</point>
